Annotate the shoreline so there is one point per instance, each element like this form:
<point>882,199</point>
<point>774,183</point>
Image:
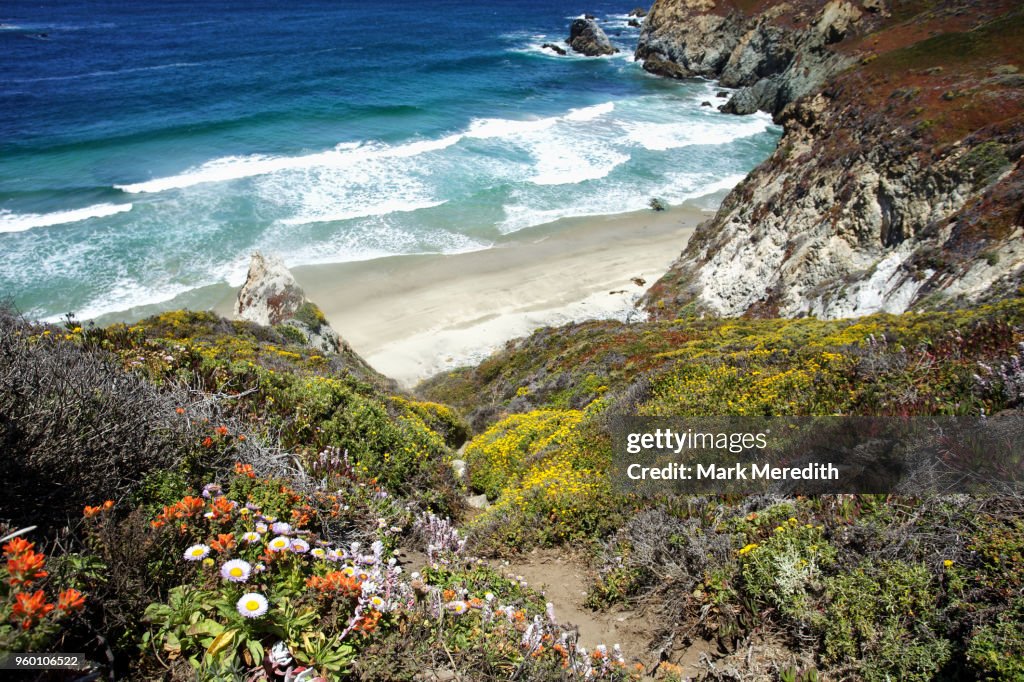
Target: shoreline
<point>411,317</point>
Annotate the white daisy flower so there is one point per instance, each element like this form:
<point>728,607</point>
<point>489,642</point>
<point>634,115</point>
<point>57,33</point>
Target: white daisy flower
<point>279,544</point>
<point>196,552</point>
<point>252,605</point>
<point>458,607</point>
<point>236,570</point>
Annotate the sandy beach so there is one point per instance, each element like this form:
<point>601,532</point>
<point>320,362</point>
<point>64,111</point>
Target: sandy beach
<point>413,316</point>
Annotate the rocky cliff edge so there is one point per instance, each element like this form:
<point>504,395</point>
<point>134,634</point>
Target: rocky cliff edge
<point>898,182</point>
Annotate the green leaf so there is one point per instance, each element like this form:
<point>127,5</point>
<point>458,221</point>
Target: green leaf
<point>206,627</point>
<point>221,642</point>
<point>172,645</point>
<point>156,612</point>
<point>256,649</point>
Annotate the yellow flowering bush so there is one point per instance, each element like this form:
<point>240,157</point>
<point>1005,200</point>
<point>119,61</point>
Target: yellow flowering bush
<point>502,452</point>
<point>547,471</point>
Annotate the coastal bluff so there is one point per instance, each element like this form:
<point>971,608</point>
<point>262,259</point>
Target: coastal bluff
<point>897,184</point>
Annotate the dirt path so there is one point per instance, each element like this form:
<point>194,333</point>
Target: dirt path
<point>564,580</point>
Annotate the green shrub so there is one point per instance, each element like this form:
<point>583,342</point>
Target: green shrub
<point>883,620</point>
<point>292,334</point>
<point>996,651</point>
<point>311,316</point>
<point>785,570</point>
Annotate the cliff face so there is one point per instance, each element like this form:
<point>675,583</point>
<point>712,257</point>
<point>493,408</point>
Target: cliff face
<point>898,181</point>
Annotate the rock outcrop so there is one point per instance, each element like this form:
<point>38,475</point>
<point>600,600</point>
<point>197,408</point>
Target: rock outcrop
<point>270,294</point>
<point>554,48</point>
<point>587,38</point>
<point>898,182</point>
<point>272,297</point>
<point>774,57</point>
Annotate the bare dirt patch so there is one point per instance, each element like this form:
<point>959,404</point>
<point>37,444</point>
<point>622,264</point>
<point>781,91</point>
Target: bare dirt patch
<point>565,579</point>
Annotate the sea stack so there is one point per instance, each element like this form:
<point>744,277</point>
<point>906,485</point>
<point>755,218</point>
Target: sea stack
<point>272,297</point>
<point>270,294</point>
<point>587,38</point>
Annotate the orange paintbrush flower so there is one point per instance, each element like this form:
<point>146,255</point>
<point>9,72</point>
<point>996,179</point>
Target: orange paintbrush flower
<point>25,568</point>
<point>222,508</point>
<point>18,546</point>
<point>336,582</point>
<point>224,542</point>
<point>70,600</point>
<point>30,608</point>
<point>244,469</point>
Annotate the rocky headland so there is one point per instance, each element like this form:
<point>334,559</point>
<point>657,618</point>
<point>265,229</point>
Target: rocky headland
<point>897,183</point>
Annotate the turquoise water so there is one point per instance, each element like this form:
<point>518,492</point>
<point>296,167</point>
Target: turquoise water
<point>146,149</point>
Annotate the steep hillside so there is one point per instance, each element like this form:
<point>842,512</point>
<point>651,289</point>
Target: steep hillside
<point>898,181</point>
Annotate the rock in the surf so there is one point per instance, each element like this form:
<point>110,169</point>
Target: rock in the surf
<point>587,38</point>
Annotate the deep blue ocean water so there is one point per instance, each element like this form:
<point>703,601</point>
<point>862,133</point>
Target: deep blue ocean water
<point>146,148</point>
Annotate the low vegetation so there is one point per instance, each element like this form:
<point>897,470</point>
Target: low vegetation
<point>231,505</point>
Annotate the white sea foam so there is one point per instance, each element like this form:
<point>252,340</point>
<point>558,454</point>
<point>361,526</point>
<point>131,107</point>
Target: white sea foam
<point>353,154</point>
<point>563,148</point>
<point>590,113</point>
<point>372,241</point>
<point>384,207</point>
<point>19,222</point>
<point>486,128</point>
<point>560,165</point>
<point>126,294</point>
<point>675,189</point>
<point>228,168</point>
<point>663,136</point>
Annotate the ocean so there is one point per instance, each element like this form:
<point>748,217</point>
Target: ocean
<point>147,148</point>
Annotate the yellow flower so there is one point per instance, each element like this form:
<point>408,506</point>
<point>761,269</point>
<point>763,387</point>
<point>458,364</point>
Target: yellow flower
<point>748,548</point>
<point>947,563</point>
